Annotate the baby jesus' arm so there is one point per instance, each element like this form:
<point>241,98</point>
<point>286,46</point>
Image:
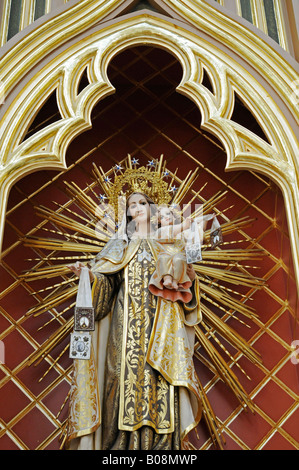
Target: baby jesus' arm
<point>202,223</point>
<point>185,225</point>
<point>172,230</point>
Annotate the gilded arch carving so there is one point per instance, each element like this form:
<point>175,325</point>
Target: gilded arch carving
<point>46,148</point>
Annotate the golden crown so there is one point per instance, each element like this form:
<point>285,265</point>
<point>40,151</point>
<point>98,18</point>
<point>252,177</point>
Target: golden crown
<point>150,180</point>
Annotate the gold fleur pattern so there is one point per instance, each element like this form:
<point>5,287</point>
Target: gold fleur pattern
<point>146,394</point>
<point>84,412</point>
<point>174,356</point>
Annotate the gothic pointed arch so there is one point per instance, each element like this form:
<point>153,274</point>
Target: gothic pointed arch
<point>93,49</point>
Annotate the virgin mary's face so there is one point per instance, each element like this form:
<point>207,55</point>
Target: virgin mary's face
<point>138,208</point>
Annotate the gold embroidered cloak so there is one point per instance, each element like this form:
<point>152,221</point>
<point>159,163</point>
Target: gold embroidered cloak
<point>139,389</point>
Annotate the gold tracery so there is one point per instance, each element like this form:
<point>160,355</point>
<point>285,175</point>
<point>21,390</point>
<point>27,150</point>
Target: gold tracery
<point>47,148</point>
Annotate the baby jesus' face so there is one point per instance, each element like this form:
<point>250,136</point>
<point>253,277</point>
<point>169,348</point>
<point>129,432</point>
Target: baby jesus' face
<point>166,217</point>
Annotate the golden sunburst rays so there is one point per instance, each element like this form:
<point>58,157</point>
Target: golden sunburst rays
<point>79,229</point>
<point>211,420</point>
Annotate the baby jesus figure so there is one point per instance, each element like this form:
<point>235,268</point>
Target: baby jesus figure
<point>170,279</point>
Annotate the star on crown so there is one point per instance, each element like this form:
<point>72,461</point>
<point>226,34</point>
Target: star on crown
<point>129,177</point>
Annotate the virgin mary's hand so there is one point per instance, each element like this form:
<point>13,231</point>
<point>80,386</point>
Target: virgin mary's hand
<point>77,268</point>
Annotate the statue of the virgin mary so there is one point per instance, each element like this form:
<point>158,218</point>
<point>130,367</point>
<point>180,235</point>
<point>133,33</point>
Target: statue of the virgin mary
<point>139,389</point>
